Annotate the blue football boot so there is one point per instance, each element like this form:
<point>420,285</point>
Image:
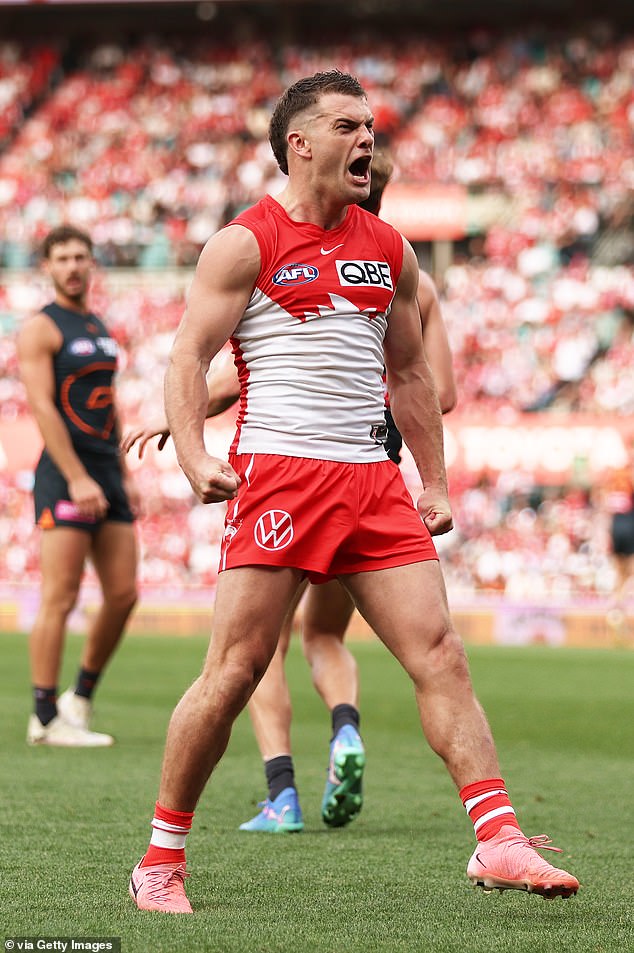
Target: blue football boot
<point>279,816</point>
<point>343,797</point>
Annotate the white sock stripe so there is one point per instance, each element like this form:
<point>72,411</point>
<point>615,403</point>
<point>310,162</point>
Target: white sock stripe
<point>472,802</point>
<point>160,825</point>
<point>489,817</point>
<point>170,841</point>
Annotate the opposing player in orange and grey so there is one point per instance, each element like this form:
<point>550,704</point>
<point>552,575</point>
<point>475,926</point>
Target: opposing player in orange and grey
<point>314,292</point>
<point>84,499</point>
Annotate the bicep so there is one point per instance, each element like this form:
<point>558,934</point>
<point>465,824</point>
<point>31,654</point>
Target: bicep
<point>225,276</point>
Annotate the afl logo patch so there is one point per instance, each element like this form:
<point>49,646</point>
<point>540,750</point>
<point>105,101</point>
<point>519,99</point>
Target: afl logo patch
<point>295,274</point>
<point>274,530</point>
<point>82,346</point>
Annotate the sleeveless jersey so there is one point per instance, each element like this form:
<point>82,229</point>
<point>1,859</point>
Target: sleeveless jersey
<point>84,368</point>
<point>309,347</point>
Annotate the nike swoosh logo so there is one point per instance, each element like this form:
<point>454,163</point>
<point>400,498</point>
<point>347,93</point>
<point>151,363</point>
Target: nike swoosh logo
<point>135,889</point>
<point>477,857</point>
<point>328,251</point>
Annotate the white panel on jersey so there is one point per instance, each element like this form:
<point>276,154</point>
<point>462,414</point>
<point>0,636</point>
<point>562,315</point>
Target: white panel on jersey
<point>334,360</point>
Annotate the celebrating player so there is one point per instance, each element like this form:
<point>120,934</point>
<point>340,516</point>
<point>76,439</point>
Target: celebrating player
<point>314,292</point>
<point>327,608</point>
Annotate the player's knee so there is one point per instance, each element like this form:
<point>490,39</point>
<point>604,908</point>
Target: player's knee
<point>450,658</point>
<point>308,647</point>
<point>59,600</point>
<point>122,598</point>
<point>131,597</point>
<point>259,664</point>
<point>321,644</point>
<point>445,659</point>
<point>230,681</point>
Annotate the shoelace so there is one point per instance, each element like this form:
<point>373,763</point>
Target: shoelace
<point>158,880</point>
<point>269,811</point>
<point>542,842</point>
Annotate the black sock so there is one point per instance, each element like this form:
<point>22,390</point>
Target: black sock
<point>344,715</point>
<point>86,682</point>
<point>279,774</point>
<point>45,703</point>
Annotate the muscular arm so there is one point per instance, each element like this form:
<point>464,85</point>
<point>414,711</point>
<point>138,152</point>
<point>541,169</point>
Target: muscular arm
<point>436,343</point>
<point>224,279</point>
<point>38,342</point>
<point>413,397</point>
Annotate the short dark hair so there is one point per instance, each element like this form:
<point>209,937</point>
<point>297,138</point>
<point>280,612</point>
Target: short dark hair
<point>65,233</point>
<point>381,173</point>
<point>302,95</point>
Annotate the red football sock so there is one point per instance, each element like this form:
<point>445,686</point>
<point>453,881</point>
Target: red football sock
<point>169,830</point>
<point>489,807</point>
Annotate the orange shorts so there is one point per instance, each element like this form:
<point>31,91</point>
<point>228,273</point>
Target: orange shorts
<point>326,518</point>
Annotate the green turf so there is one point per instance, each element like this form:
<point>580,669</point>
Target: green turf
<point>74,822</point>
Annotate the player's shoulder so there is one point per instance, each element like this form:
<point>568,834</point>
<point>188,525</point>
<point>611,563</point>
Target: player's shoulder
<point>257,231</point>
<point>42,319</point>
<point>255,220</point>
<point>38,333</point>
<point>230,257</point>
<point>258,213</point>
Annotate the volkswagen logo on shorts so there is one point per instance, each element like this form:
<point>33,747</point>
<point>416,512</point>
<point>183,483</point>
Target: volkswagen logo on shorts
<point>274,530</point>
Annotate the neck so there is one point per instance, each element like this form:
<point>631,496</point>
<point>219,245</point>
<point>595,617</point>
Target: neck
<point>72,304</point>
<point>312,208</point>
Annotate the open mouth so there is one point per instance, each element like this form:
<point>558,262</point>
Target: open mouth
<point>360,168</point>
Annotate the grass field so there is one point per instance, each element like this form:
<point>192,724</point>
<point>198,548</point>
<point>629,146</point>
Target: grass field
<point>75,822</point>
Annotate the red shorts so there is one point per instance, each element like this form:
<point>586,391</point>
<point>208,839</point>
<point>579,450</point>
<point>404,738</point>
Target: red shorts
<point>326,518</point>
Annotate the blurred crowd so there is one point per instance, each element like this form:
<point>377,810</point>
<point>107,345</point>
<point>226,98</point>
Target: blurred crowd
<point>153,146</point>
<point>529,542</point>
<point>511,536</point>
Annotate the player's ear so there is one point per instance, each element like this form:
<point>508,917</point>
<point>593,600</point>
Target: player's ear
<point>299,144</point>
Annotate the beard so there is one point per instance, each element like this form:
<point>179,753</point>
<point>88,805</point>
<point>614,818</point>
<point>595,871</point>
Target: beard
<point>75,293</point>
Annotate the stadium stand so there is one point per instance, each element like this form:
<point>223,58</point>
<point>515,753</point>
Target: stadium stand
<point>152,143</point>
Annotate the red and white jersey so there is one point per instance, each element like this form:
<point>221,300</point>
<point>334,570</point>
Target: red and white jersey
<point>309,347</point>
